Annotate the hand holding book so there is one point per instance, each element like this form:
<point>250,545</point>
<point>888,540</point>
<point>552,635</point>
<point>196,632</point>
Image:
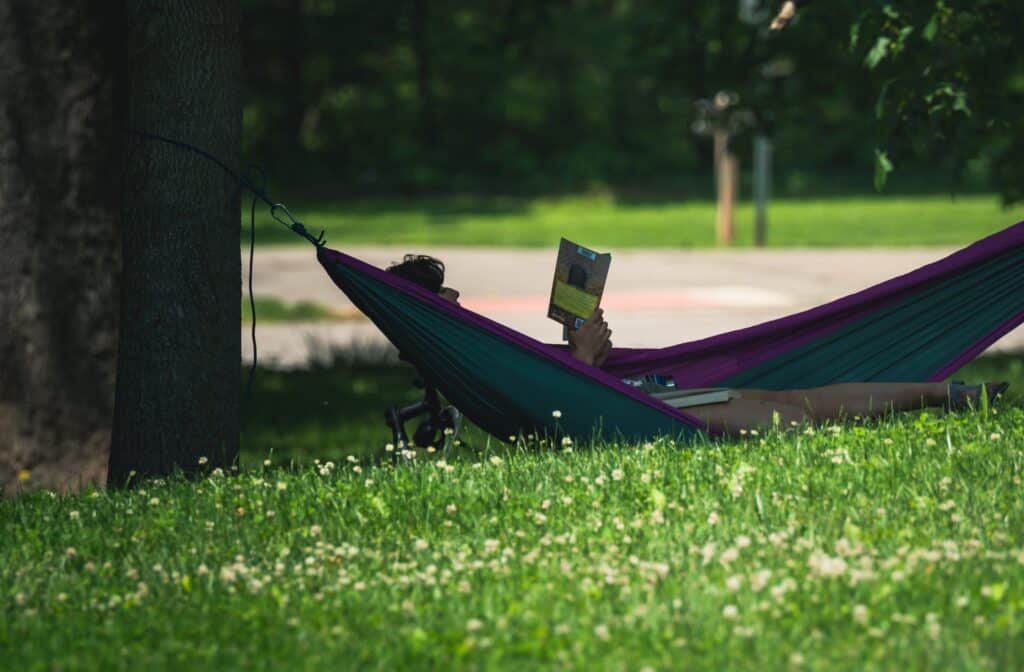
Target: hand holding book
<point>591,343</point>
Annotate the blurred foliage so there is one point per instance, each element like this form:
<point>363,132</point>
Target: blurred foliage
<point>514,96</point>
<point>950,80</point>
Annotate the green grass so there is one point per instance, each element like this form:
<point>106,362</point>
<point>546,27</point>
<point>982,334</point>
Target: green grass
<point>889,545</point>
<point>273,309</point>
<point>606,222</point>
<point>333,411</point>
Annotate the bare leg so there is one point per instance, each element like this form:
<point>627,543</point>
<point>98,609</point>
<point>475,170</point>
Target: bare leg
<point>832,402</point>
<point>737,414</point>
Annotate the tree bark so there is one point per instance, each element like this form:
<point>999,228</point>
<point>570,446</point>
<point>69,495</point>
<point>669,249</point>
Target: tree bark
<point>58,234</point>
<point>178,362</point>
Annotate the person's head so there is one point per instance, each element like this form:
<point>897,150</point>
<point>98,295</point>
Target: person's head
<point>427,272</point>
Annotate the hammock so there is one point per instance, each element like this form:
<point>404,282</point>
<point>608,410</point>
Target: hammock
<point>921,326</point>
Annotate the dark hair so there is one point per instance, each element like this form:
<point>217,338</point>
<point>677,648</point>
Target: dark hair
<point>424,270</point>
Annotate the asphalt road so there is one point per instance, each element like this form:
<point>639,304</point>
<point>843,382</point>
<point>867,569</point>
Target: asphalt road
<point>652,298</point>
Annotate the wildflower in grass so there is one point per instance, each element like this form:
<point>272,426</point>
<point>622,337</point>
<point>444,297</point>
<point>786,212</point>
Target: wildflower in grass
<point>556,414</point>
<point>431,449</point>
<point>713,518</point>
<point>617,474</point>
<point>216,473</point>
<point>227,574</point>
<point>359,586</point>
<point>887,441</point>
<point>730,612</point>
<point>314,530</point>
<point>995,436</point>
<point>495,460</point>
<point>734,583</point>
<point>602,632</point>
<point>73,515</point>
<point>929,442</point>
<point>540,518</point>
<point>389,447</point>
<point>24,475</point>
<point>742,541</point>
<point>451,509</point>
<point>707,553</point>
<point>282,486</point>
<point>474,624</point>
<point>759,579</point>
<point>826,566</point>
<point>796,659</point>
<point>70,551</point>
<point>421,545</point>
<point>569,478</point>
<point>860,614</point>
<point>566,441</point>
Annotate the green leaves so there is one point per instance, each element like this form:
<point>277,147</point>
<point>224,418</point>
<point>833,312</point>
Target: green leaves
<point>878,52</point>
<point>883,166</point>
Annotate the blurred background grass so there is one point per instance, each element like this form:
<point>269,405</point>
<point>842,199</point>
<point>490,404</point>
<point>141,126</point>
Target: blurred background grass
<point>605,221</point>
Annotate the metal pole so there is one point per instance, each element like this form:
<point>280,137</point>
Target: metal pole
<point>728,169</point>
<point>762,186</point>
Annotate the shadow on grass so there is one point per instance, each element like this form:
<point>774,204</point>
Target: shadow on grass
<point>336,410</point>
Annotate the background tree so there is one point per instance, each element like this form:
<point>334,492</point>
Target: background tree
<point>178,362</point>
<point>58,233</point>
<point>949,85</point>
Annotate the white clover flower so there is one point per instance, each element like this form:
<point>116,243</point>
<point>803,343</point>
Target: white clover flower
<point>556,414</point>
<point>203,460</point>
<point>281,486</point>
<point>995,436</point>
<point>860,614</point>
<point>73,515</point>
<point>495,460</point>
<point>734,583</point>
<point>421,545</point>
<point>474,624</point>
<point>601,632</point>
<point>617,474</point>
<point>566,441</point>
<point>70,552</point>
<point>451,509</point>
<point>266,463</point>
<point>730,612</point>
<point>713,518</point>
<point>314,530</point>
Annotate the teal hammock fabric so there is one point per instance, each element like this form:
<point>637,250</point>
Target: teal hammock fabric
<point>920,326</point>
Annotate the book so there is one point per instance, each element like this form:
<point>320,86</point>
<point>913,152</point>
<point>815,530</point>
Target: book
<point>576,290</point>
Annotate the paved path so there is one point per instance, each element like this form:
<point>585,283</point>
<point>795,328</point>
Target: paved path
<point>653,297</point>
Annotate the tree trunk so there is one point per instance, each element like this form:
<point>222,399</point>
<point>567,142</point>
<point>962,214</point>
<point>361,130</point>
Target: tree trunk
<point>58,234</point>
<point>178,362</point>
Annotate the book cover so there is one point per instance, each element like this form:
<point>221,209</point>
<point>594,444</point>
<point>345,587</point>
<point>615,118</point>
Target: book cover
<point>580,276</point>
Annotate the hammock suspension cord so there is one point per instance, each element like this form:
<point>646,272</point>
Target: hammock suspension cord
<point>259,192</point>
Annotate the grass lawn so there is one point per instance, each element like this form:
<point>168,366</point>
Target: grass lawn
<point>889,545</point>
<point>606,222</point>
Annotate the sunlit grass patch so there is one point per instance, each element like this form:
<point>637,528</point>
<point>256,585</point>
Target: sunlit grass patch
<point>853,546</point>
<point>605,222</point>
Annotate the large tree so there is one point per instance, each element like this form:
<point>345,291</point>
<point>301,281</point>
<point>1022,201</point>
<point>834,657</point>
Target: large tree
<point>58,233</point>
<point>177,373</point>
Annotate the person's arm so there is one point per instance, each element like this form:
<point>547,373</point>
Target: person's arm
<point>591,343</point>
